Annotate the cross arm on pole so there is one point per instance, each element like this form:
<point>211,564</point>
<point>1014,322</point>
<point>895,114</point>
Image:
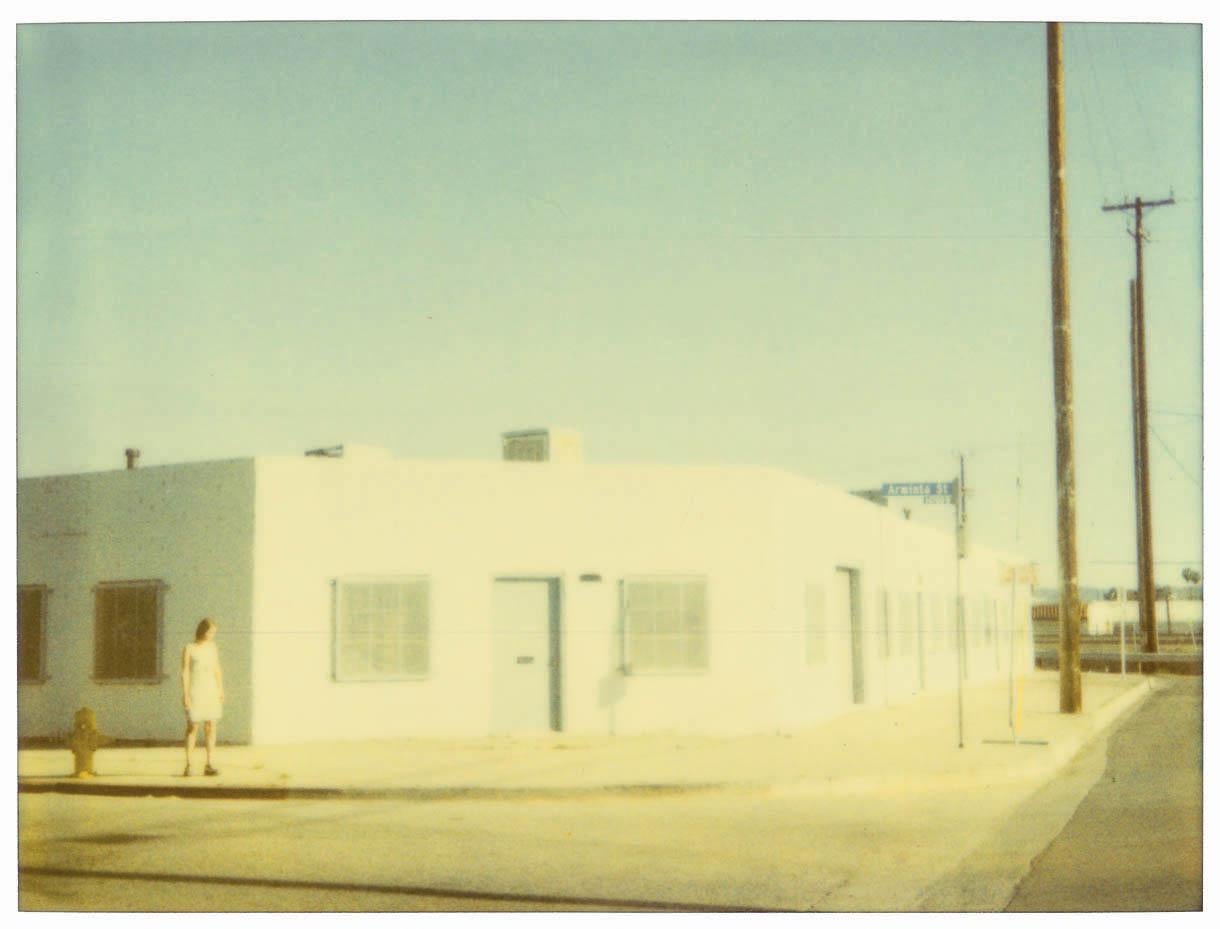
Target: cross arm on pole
<point>1142,204</point>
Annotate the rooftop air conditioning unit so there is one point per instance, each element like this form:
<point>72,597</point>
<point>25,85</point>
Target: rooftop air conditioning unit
<point>542,445</point>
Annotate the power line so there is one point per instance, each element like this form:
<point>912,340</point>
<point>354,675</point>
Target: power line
<point>1091,56</point>
<point>1173,457</point>
<point>1177,413</point>
<point>1153,147</point>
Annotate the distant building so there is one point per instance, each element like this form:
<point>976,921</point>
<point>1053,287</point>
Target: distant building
<point>362,596</point>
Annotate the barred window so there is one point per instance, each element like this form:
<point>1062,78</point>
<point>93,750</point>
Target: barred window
<point>127,630</point>
<point>32,633</point>
<point>665,624</point>
<point>815,624</point>
<point>381,629</point>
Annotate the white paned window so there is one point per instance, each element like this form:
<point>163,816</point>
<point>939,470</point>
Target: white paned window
<point>665,624</point>
<point>381,629</point>
<point>815,624</point>
<point>127,630</point>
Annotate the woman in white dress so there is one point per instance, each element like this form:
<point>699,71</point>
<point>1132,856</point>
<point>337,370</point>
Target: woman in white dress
<point>203,691</point>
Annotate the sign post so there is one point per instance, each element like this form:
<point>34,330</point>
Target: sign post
<point>945,492</point>
<point>959,502</point>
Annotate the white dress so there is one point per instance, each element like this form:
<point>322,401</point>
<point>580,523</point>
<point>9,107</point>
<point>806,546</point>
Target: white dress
<point>204,691</point>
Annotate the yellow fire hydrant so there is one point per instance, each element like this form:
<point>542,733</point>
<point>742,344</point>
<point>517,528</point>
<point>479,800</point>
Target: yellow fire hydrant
<point>84,741</point>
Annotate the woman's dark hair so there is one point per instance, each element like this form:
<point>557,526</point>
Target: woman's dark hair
<point>202,629</point>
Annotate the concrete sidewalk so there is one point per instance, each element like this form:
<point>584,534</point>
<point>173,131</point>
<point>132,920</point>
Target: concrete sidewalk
<point>908,747</point>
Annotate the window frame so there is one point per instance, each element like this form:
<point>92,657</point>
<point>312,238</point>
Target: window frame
<point>885,631</point>
<point>44,593</point>
<point>907,624</point>
<point>626,663</point>
<point>159,589</point>
<point>342,675</point>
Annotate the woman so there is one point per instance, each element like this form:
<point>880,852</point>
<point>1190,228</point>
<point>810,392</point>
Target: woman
<point>203,691</point>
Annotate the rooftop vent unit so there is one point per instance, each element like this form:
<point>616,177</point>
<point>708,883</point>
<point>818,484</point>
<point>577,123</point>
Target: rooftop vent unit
<point>349,452</point>
<point>561,445</point>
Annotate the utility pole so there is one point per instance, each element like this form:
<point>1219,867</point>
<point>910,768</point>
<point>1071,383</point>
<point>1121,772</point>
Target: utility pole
<point>1070,699</point>
<point>1139,405</point>
<point>1138,451</point>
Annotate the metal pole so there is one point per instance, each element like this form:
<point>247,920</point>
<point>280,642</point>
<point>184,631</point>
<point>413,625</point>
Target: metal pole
<point>1065,463</point>
<point>1012,655</point>
<point>959,489</point>
<point>1122,639</point>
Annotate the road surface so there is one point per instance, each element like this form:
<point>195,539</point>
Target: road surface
<point>1136,841</point>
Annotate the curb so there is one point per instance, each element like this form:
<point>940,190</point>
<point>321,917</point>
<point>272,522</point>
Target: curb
<point>1046,764</point>
<point>419,794</point>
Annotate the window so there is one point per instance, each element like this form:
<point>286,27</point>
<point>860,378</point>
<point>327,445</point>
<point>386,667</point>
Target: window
<point>940,631</point>
<point>127,630</point>
<point>906,618</point>
<point>884,632</point>
<point>665,624</point>
<point>381,629</point>
<point>815,624</point>
<point>32,634</point>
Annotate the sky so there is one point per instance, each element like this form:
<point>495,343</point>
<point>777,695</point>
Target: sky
<point>815,246</point>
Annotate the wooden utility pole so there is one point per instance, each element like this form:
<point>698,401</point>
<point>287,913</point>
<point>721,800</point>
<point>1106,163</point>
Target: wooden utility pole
<point>1070,698</point>
<point>1139,406</point>
<point>1137,450</point>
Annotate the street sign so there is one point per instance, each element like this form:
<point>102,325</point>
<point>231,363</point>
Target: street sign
<point>920,489</point>
<point>938,498</point>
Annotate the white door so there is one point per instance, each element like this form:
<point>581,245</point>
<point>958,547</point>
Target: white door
<point>523,659</point>
<point>845,603</point>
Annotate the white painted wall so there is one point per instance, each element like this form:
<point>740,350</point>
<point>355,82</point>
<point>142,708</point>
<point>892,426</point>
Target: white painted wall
<point>190,526</point>
<point>258,544</point>
<point>463,525</point>
<point>757,536</point>
<point>898,561</point>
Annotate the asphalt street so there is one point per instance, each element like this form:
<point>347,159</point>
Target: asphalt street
<point>1136,841</point>
<point>723,851</point>
<point>960,849</point>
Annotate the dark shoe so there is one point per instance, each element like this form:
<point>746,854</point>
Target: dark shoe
<point>210,771</point>
<point>187,772</point>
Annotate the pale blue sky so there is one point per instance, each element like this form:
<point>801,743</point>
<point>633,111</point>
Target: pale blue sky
<point>821,247</point>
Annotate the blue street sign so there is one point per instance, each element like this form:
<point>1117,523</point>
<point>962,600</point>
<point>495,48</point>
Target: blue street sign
<point>918,489</point>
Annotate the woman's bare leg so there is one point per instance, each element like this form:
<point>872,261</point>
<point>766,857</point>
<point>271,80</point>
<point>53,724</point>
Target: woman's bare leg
<point>191,729</point>
<point>209,738</point>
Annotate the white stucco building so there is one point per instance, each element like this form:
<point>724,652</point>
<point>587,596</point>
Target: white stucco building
<point>362,596</point>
